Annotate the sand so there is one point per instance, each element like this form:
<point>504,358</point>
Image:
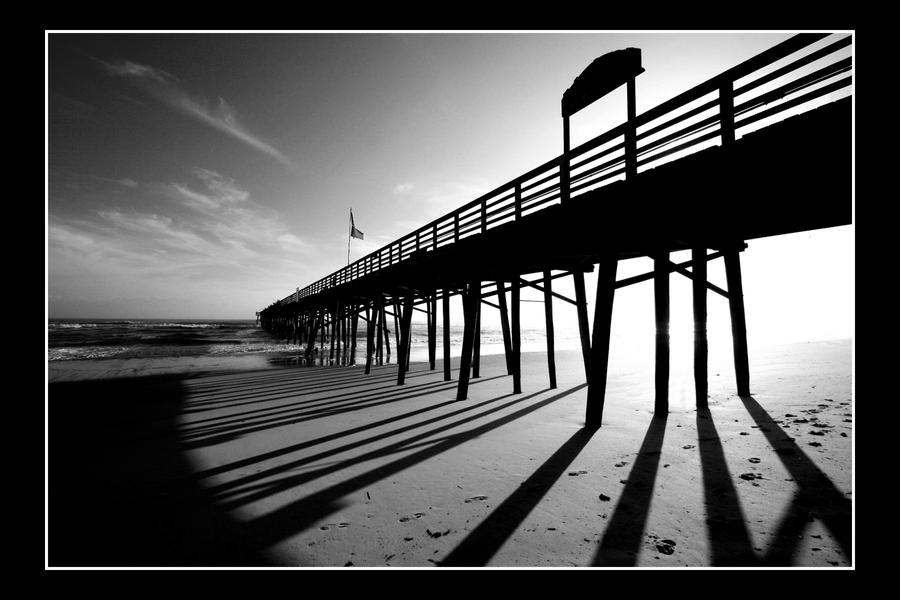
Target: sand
<point>328,467</point>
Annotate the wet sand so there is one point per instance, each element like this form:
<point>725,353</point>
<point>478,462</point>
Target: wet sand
<point>328,467</point>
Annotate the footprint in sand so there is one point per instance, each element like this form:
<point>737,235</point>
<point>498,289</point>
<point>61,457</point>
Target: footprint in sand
<point>688,447</point>
<point>621,464</point>
<point>750,476</point>
<point>753,460</point>
<point>474,498</point>
<point>577,473</point>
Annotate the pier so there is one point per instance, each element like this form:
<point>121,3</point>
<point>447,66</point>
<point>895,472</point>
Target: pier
<point>721,164</point>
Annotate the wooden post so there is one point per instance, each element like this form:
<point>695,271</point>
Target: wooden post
<point>446,301</point>
<point>726,112</point>
<point>432,329</point>
<point>606,290</point>
<point>583,327</point>
<point>504,325</point>
<point>470,299</point>
<point>403,345</point>
<point>313,322</point>
<point>515,308</point>
<point>564,165</point>
<point>476,343</point>
<point>324,328</point>
<point>379,324</point>
<point>661,304</point>
<point>738,321</point>
<point>334,321</point>
<point>354,326</point>
<point>630,132</point>
<point>370,336</point>
<point>701,348</point>
<point>386,333</point>
<point>396,328</point>
<point>548,314</point>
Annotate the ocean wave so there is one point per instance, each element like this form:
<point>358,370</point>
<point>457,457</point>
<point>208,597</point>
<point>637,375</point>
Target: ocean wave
<point>85,352</point>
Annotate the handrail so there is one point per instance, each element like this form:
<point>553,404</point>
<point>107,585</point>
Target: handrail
<point>508,201</point>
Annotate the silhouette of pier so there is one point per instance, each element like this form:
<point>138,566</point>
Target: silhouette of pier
<point>741,156</point>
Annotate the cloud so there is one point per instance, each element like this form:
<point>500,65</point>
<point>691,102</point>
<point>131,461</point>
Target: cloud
<point>126,68</point>
<point>220,192</point>
<point>403,188</point>
<point>165,88</point>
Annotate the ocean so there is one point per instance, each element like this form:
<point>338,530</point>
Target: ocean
<point>78,348</point>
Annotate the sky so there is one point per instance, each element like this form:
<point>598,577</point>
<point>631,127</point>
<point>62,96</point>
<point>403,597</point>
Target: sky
<point>205,175</point>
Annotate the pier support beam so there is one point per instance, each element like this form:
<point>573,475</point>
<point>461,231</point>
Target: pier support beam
<point>583,327</point>
<point>396,328</point>
<point>476,343</point>
<point>738,321</point>
<point>548,314</point>
<point>431,305</point>
<point>599,355</point>
<point>471,298</point>
<point>504,325</point>
<point>446,307</point>
<point>370,337</point>
<point>701,345</point>
<point>379,330</point>
<point>661,305</point>
<point>354,326</point>
<point>403,344</point>
<point>516,310</point>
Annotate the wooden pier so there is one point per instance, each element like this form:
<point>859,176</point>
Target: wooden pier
<point>625,194</point>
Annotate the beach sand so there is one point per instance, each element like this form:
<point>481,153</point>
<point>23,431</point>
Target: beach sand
<point>328,467</point>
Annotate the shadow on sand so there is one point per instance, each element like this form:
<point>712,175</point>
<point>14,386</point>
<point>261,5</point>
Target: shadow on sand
<point>121,492</point>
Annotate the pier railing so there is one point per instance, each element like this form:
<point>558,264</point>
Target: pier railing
<point>766,87</point>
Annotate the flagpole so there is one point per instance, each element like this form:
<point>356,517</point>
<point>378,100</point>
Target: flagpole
<point>349,232</point>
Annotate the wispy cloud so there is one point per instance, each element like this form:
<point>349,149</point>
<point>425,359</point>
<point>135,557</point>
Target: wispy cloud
<point>166,88</point>
<point>125,181</point>
<point>126,68</point>
<point>403,188</point>
<point>223,233</point>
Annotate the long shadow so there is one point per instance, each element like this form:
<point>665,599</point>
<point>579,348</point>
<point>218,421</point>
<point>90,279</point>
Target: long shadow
<point>484,541</point>
<point>286,521</point>
<point>324,439</point>
<point>625,531</point>
<point>817,497</point>
<point>119,490</point>
<point>240,486</point>
<point>729,539</point>
<point>299,409</point>
<point>291,388</point>
<point>224,434</point>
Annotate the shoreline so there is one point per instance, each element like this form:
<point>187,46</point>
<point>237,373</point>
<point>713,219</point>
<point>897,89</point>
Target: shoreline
<point>328,467</point>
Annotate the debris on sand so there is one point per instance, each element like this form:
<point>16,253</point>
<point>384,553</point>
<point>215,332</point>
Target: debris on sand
<point>604,498</point>
<point>577,473</point>
<point>753,460</point>
<point>750,476</point>
<point>436,534</point>
<point>474,498</point>
<point>665,546</point>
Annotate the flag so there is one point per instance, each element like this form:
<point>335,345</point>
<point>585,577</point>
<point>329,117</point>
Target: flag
<point>354,232</point>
